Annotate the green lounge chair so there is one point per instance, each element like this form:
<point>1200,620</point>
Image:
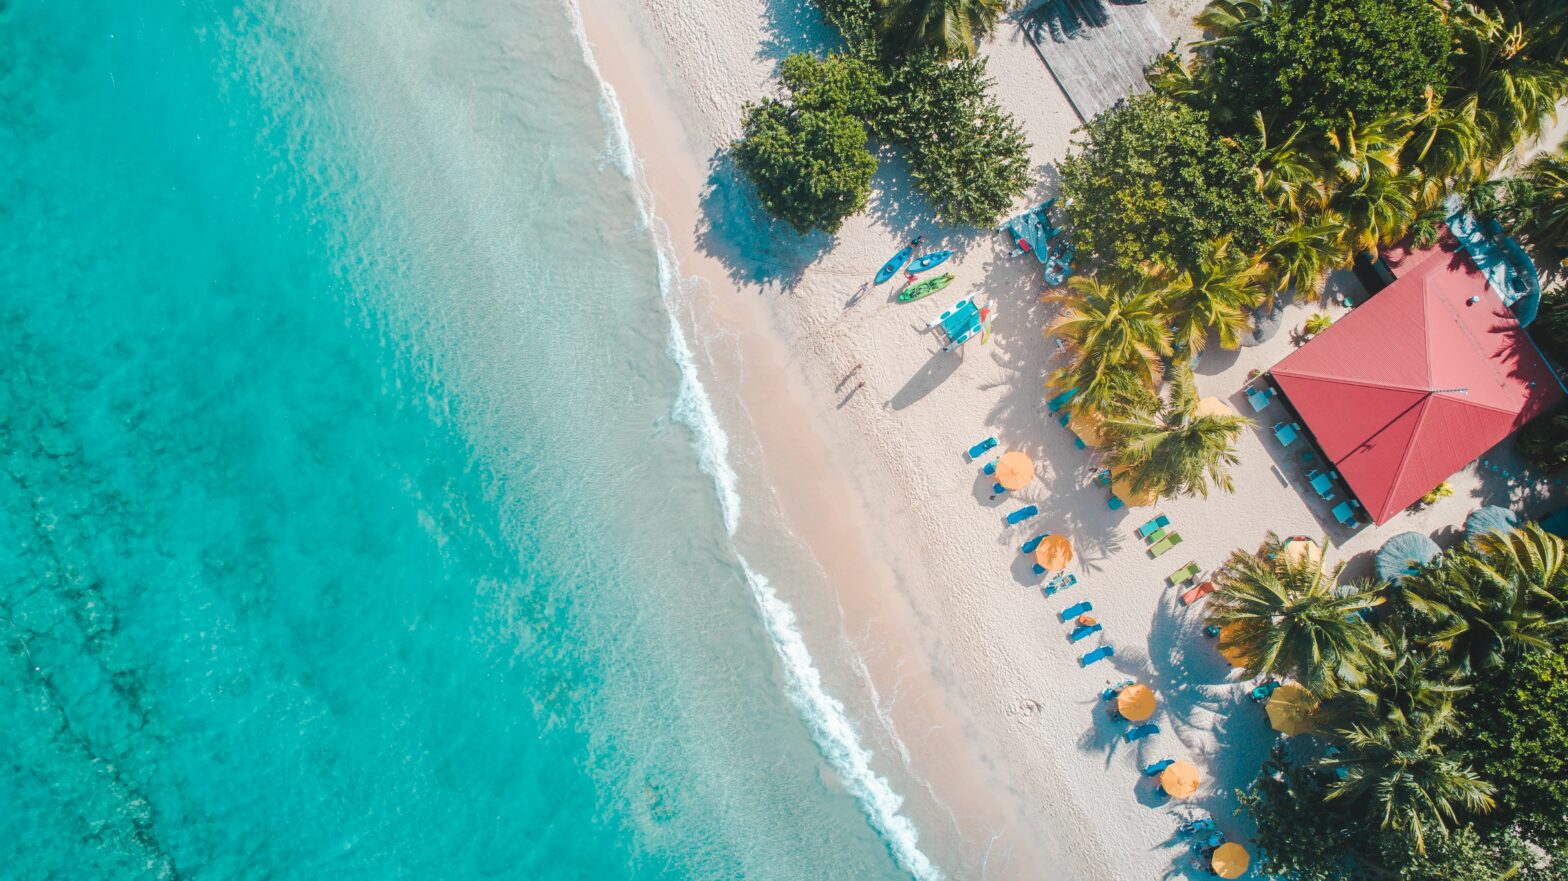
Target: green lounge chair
<point>1184,574</point>
<point>1165,544</point>
<point>1156,536</point>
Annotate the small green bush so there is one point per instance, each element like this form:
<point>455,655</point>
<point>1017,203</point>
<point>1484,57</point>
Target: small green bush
<point>807,155</point>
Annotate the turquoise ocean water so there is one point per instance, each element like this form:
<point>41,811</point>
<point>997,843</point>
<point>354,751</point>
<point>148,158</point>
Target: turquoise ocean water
<point>360,516</point>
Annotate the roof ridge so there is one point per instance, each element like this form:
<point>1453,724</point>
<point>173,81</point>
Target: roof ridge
<point>1399,470</point>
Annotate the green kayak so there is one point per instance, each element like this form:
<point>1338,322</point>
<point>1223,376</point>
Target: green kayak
<point>926,288</point>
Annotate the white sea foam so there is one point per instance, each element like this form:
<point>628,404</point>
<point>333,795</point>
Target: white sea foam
<point>824,714</point>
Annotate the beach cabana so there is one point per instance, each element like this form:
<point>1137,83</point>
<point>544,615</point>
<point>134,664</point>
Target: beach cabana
<point>1490,518</point>
<point>1418,381</point>
<point>1290,709</point>
<point>1014,470</point>
<point>1121,487</point>
<point>1230,860</point>
<point>1180,780</point>
<point>1403,554</point>
<point>1135,702</point>
<point>1053,553</point>
<point>1229,650</point>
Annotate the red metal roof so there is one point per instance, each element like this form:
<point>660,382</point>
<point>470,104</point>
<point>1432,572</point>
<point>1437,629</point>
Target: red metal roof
<point>1416,383</point>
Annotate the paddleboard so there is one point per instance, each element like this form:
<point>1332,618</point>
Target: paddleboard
<point>926,261</point>
<point>895,264</point>
<point>926,288</point>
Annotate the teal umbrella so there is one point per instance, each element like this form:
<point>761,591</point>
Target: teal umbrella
<point>1489,519</point>
<point>1402,554</point>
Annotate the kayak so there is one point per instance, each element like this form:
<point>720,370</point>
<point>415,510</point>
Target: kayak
<point>895,264</point>
<point>926,261</point>
<point>926,288</point>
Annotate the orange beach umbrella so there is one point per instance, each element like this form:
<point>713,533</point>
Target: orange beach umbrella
<point>1229,650</point>
<point>1014,470</point>
<point>1230,860</point>
<point>1135,702</point>
<point>1180,779</point>
<point>1054,552</point>
<point>1290,709</point>
<point>1121,487</point>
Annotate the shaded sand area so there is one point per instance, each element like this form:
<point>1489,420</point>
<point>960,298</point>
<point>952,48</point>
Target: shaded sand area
<point>864,421</point>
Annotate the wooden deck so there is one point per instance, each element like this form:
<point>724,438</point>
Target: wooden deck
<point>1096,50</point>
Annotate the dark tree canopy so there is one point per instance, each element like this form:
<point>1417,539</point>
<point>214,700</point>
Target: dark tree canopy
<point>1317,61</point>
<point>807,154</point>
<point>1519,740</point>
<point>1151,182</point>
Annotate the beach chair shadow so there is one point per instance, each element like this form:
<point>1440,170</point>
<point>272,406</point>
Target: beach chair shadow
<point>933,373</point>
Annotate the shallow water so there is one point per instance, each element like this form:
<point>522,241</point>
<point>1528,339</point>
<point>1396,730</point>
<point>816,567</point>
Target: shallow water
<point>355,519</point>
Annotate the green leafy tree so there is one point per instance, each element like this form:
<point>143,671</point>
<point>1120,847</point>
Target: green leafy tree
<point>807,154</point>
<point>1544,442</point>
<point>1285,617</point>
<point>1173,450</point>
<point>1401,778</point>
<point>1151,183</point>
<point>1503,594</point>
<point>950,28</point>
<point>1518,736</point>
<point>1116,332</point>
<point>1316,61</point>
<point>1400,687</point>
<point>1298,835</point>
<point>968,157</point>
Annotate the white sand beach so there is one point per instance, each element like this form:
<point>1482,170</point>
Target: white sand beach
<point>970,665</point>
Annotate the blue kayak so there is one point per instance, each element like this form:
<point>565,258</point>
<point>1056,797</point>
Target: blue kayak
<point>926,261</point>
<point>895,264</point>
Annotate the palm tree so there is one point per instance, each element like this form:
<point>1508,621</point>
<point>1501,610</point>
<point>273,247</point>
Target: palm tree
<point>1360,151</point>
<point>1285,617</point>
<point>1300,255</point>
<point>1403,777</point>
<point>1227,21</point>
<point>1287,176</point>
<point>1448,147</point>
<point>1116,333</point>
<point>1172,76</point>
<point>1512,68</point>
<point>1217,294</point>
<point>1507,593</point>
<point>1547,227</point>
<point>1377,209</point>
<point>1172,450</point>
<point>1400,687</point>
<point>951,27</point>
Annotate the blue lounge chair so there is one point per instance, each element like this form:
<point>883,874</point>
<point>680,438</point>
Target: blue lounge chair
<point>1061,400</point>
<point>1083,630</point>
<point>1103,478</point>
<point>1060,584</point>
<point>1038,569</point>
<point>1201,826</point>
<point>1157,524</point>
<point>990,468</point>
<point>1141,731</point>
<point>1076,609</point>
<point>1114,503</point>
<point>997,489</point>
<point>1211,631</point>
<point>1078,442</point>
<point>1262,692</point>
<point>1022,514</point>
<point>980,449</point>
<point>1098,654</point>
<point>1114,690</point>
<point>1033,543</point>
<point>1063,419</point>
<point>1151,769</point>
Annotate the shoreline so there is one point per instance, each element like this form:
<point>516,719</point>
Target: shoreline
<point>805,465</point>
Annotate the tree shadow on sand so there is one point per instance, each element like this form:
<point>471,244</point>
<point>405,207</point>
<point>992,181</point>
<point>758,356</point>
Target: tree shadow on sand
<point>791,26</point>
<point>752,247</point>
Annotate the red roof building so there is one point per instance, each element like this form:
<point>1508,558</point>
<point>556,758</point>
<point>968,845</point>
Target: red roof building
<point>1418,381</point>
